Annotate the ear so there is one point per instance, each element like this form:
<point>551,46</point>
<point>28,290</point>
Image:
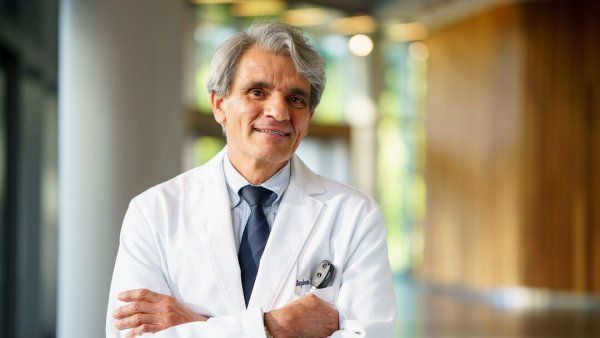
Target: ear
<point>216,101</point>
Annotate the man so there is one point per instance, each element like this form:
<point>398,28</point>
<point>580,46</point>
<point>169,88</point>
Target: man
<point>229,249</point>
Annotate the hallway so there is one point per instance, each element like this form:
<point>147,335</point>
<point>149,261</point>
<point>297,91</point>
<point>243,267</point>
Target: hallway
<point>475,125</point>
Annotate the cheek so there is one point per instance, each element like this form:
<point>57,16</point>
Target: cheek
<point>245,114</point>
<point>232,116</point>
<point>301,124</point>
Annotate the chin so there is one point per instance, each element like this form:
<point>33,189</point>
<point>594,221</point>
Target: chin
<point>274,156</point>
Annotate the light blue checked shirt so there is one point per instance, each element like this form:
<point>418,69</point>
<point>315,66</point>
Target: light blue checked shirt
<point>240,209</point>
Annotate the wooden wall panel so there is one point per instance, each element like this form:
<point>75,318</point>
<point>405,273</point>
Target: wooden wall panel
<point>591,68</point>
<point>556,104</point>
<point>559,36</point>
<point>473,125</point>
<point>552,111</point>
<point>512,149</point>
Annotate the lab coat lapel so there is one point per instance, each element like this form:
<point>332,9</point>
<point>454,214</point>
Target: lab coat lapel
<point>297,215</point>
<point>214,218</point>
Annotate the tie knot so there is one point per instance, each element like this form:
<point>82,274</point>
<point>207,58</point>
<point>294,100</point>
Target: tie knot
<point>255,195</point>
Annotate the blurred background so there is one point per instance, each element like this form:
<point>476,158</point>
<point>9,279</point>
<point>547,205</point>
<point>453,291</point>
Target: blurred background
<point>474,123</point>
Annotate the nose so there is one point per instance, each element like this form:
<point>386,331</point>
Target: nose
<point>277,108</point>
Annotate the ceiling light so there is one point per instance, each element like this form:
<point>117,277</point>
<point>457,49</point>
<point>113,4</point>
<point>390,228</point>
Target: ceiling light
<point>306,16</point>
<point>412,31</point>
<point>363,24</point>
<point>360,45</point>
<point>208,2</point>
<point>418,51</point>
<point>258,8</point>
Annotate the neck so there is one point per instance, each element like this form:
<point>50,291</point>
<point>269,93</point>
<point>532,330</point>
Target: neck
<point>256,172</point>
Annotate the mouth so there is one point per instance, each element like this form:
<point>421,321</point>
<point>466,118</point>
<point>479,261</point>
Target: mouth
<point>272,132</point>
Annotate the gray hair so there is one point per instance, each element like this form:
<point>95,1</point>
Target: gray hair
<point>275,37</point>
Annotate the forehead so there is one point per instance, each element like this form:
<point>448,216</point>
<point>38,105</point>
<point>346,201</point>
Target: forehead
<point>256,64</point>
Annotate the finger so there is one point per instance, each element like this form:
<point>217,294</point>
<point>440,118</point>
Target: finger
<point>135,307</point>
<point>143,329</point>
<point>136,320</point>
<point>140,295</point>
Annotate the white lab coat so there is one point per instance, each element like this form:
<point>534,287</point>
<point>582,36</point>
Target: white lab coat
<point>177,239</point>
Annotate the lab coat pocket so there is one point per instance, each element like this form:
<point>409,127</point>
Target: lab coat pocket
<point>327,294</point>
<point>302,287</point>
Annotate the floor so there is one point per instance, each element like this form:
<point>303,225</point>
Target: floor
<point>429,312</point>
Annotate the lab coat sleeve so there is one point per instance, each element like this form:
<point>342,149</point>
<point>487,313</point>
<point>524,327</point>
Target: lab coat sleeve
<point>366,302</point>
<point>140,264</point>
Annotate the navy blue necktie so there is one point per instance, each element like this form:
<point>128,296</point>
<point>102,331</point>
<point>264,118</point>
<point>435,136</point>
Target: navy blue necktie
<point>255,236</point>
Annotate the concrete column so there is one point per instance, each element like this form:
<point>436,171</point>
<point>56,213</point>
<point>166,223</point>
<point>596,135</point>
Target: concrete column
<point>120,131</point>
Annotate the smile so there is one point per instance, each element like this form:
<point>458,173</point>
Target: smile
<point>272,132</point>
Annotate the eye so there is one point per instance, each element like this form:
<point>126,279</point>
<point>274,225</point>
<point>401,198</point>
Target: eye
<point>297,101</point>
<point>256,93</point>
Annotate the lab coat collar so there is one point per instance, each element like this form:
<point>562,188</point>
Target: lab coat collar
<point>298,212</point>
<point>310,182</point>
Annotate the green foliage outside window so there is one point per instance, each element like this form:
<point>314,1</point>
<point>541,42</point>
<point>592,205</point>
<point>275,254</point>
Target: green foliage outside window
<point>401,154</point>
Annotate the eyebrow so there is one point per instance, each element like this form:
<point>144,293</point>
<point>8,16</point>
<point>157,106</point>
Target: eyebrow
<point>259,84</point>
<point>265,84</point>
<point>300,92</point>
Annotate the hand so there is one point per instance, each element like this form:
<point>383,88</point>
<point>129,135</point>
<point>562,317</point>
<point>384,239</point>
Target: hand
<point>149,311</point>
<point>306,317</point>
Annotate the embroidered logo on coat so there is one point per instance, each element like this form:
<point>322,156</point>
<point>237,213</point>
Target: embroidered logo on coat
<point>302,282</point>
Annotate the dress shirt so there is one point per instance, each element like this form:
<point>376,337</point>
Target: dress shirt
<point>240,209</point>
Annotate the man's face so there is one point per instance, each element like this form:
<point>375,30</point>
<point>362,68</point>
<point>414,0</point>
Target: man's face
<point>266,113</point>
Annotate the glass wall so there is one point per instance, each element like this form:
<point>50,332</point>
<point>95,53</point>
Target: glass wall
<point>28,160</point>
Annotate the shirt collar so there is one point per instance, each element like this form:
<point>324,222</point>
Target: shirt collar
<point>235,181</point>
